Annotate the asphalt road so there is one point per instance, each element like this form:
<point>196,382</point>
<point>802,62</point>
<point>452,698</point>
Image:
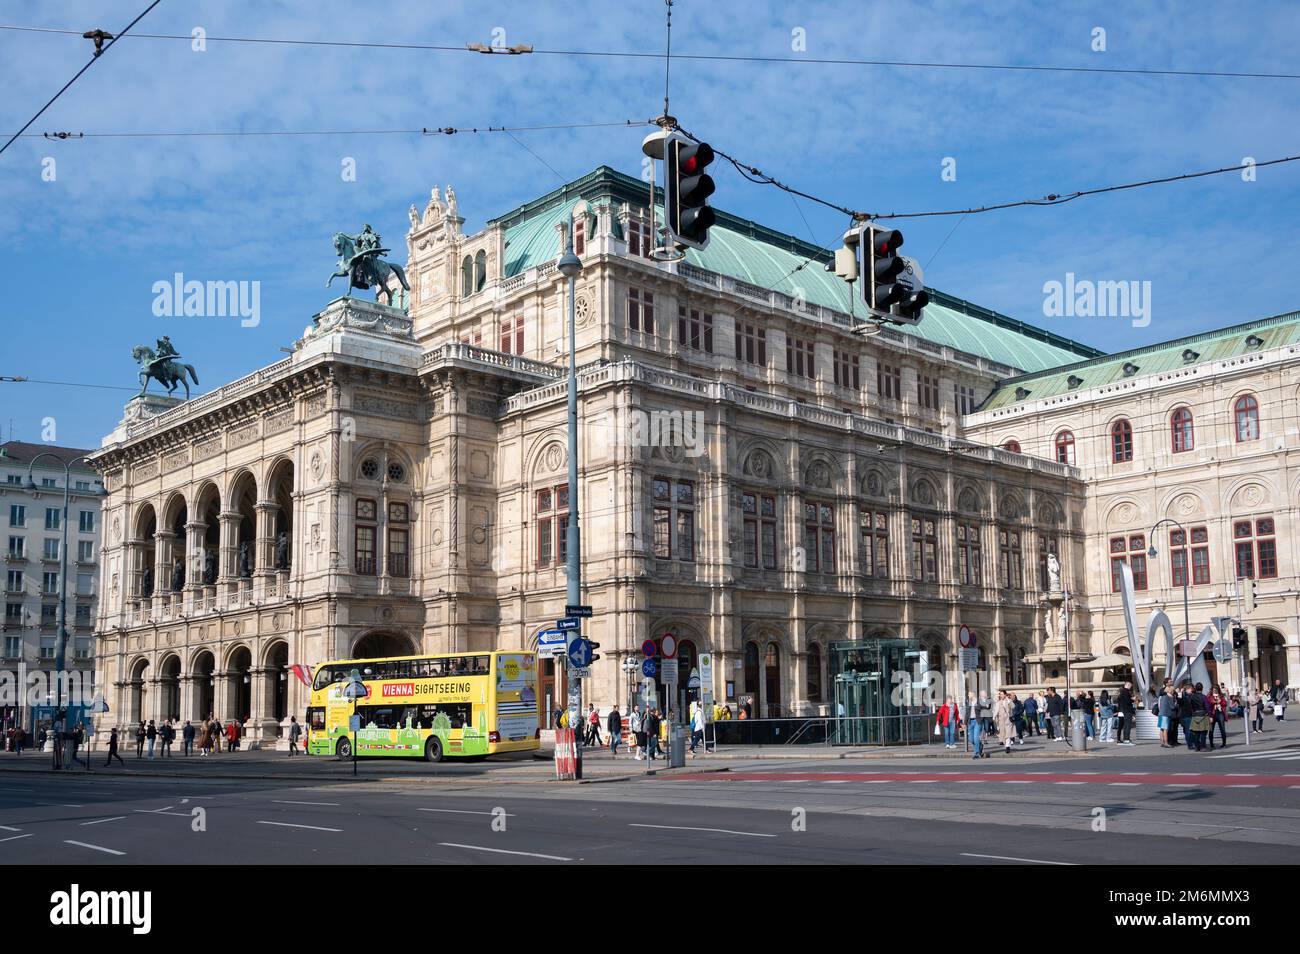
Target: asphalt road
<point>1046,810</point>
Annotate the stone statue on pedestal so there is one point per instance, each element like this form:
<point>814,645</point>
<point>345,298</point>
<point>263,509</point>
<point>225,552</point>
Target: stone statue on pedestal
<point>178,576</point>
<point>209,567</point>
<point>146,582</point>
<point>1053,573</point>
<point>282,550</point>
<point>245,561</point>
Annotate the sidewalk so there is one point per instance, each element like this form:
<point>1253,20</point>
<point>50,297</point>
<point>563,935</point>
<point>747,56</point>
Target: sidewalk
<point>598,765</point>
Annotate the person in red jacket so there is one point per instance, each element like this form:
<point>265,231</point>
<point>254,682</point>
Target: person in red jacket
<point>949,717</point>
<point>1218,716</point>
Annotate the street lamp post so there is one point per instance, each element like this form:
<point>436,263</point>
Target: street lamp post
<point>60,658</point>
<point>570,266</point>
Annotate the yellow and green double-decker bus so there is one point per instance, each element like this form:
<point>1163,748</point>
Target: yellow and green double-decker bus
<point>430,707</point>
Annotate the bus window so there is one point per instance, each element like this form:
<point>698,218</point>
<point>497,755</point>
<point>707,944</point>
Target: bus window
<point>462,665</point>
<point>480,665</point>
<point>316,718</point>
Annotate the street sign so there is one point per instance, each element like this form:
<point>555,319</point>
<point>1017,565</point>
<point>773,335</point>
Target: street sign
<point>355,688</point>
<point>1223,651</point>
<point>669,673</point>
<point>569,622</point>
<point>580,672</point>
<point>970,659</point>
<point>706,672</point>
<point>583,611</point>
<point>966,637</point>
<point>1187,648</point>
<point>580,653</point>
<point>553,642</point>
<point>649,649</point>
<point>354,723</point>
<point>694,681</point>
<point>668,646</point>
<point>648,668</point>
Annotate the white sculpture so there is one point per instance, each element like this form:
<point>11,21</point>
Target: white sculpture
<point>1053,573</point>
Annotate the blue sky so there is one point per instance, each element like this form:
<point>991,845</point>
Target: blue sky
<point>124,213</point>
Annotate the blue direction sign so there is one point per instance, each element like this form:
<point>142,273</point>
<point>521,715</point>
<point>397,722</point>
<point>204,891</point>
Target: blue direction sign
<point>648,668</point>
<point>580,653</point>
<point>568,623</point>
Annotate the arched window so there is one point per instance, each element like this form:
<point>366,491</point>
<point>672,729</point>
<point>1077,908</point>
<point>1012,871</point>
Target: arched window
<point>1012,446</point>
<point>1246,412</point>
<point>480,270</point>
<point>814,673</point>
<point>1065,448</point>
<point>466,277</point>
<point>1121,441</point>
<point>1181,430</point>
<point>580,234</point>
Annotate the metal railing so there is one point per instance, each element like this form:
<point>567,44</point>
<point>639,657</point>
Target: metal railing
<point>905,729</point>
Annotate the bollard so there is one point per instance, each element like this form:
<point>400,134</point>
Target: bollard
<point>1078,738</point>
<point>676,745</point>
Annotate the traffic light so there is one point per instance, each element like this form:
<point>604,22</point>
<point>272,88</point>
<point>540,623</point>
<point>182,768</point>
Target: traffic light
<point>1238,638</point>
<point>1247,595</point>
<point>594,646</point>
<point>687,188</point>
<point>892,284</point>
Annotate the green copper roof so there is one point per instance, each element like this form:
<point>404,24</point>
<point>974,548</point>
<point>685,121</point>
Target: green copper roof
<point>752,253</point>
<point>1261,335</point>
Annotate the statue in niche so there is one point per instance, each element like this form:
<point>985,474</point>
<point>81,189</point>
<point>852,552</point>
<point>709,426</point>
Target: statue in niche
<point>1053,573</point>
<point>245,561</point>
<point>178,576</point>
<point>146,582</point>
<point>282,550</point>
<point>209,567</point>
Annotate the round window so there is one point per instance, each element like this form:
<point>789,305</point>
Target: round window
<point>370,468</point>
<point>396,473</point>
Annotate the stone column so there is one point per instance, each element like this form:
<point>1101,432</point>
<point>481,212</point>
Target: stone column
<point>264,541</point>
<point>194,533</point>
<point>228,558</point>
<point>221,695</point>
<point>162,569</point>
<point>189,698</point>
<point>261,721</point>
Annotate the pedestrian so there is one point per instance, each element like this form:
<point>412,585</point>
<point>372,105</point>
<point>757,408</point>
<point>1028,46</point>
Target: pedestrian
<point>151,736</point>
<point>19,739</point>
<point>1185,714</point>
<point>187,738</point>
<point>1055,712</point>
<point>112,749</point>
<point>1106,714</point>
<point>1278,694</point>
<point>974,725</point>
<point>1218,716</point>
<point>295,733</point>
<point>1092,715</point>
<point>698,724</point>
<point>1200,708</point>
<point>1126,713</point>
<point>593,726</point>
<point>1018,719</point>
<point>949,718</point>
<point>1002,717</point>
<point>1256,707</point>
<point>139,740</point>
<point>1031,715</point>
<point>614,728</point>
<point>653,721</point>
<point>232,736</point>
<point>1166,714</point>
<point>168,734</point>
<point>636,725</point>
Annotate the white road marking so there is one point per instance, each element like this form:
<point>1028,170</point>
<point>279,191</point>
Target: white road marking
<point>29,834</point>
<point>1031,861</point>
<point>100,821</point>
<point>460,811</point>
<point>278,801</point>
<point>1124,783</point>
<point>720,831</point>
<point>7,828</point>
<point>162,811</point>
<point>288,825</point>
<point>1243,786</point>
<point>503,851</point>
<point>82,844</point>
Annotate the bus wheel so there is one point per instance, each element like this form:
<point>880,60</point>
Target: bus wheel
<point>433,749</point>
<point>344,749</point>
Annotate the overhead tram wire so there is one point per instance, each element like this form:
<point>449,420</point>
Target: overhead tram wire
<point>421,131</point>
<point>93,59</point>
<point>707,57</point>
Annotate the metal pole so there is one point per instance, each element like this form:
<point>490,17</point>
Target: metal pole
<point>571,266</point>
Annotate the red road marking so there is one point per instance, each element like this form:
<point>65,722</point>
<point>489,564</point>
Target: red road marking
<point>1208,781</point>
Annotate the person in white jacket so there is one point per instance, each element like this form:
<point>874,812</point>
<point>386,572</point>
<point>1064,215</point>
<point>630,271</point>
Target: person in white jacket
<point>634,725</point>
